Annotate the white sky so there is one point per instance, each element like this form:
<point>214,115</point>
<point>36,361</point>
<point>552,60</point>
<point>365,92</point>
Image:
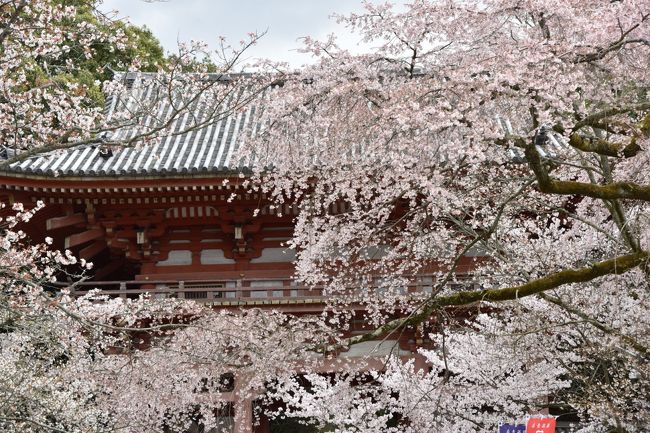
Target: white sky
<point>206,20</point>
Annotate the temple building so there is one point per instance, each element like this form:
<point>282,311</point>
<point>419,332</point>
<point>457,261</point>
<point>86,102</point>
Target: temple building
<point>171,218</point>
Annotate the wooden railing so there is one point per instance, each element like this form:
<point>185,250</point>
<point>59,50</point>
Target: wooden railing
<point>213,291</point>
<point>229,292</point>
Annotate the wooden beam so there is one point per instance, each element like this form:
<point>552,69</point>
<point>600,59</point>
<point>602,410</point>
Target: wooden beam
<point>92,250</point>
<point>65,221</point>
<point>107,270</point>
<point>118,244</point>
<point>83,237</point>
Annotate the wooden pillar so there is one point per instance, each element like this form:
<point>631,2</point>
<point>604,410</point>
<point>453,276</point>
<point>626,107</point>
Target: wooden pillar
<point>243,405</point>
<point>243,415</point>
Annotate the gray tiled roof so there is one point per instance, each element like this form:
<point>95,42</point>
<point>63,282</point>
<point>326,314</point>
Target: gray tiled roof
<point>209,148</point>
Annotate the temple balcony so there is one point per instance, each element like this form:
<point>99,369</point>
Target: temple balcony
<point>239,292</point>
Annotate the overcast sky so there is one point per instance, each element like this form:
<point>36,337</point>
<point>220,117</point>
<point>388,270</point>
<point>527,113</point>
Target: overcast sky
<point>285,20</point>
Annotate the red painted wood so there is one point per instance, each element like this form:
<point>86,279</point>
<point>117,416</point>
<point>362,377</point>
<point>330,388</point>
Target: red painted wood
<point>65,221</point>
<point>83,237</point>
<point>92,250</point>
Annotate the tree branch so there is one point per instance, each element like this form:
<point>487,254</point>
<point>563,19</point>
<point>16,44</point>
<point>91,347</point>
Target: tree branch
<point>593,119</point>
<point>604,147</point>
<point>615,266</point>
<point>610,191</point>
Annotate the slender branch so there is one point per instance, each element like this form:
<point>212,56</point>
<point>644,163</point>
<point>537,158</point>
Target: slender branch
<point>616,210</point>
<point>33,422</point>
<point>483,237</point>
<point>606,329</point>
<point>216,115</point>
<point>595,118</point>
<point>600,53</point>
<point>44,149</point>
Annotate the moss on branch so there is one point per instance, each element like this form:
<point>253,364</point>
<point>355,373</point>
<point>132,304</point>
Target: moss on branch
<point>604,147</point>
<point>593,119</point>
<point>610,191</point>
<point>615,266</point>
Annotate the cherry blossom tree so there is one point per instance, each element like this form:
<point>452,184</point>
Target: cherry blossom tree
<point>503,140</point>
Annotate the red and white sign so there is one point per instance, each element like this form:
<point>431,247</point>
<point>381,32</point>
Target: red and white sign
<point>540,425</point>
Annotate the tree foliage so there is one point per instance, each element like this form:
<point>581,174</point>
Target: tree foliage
<point>503,140</point>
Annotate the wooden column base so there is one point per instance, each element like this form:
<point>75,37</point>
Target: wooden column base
<point>243,416</point>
